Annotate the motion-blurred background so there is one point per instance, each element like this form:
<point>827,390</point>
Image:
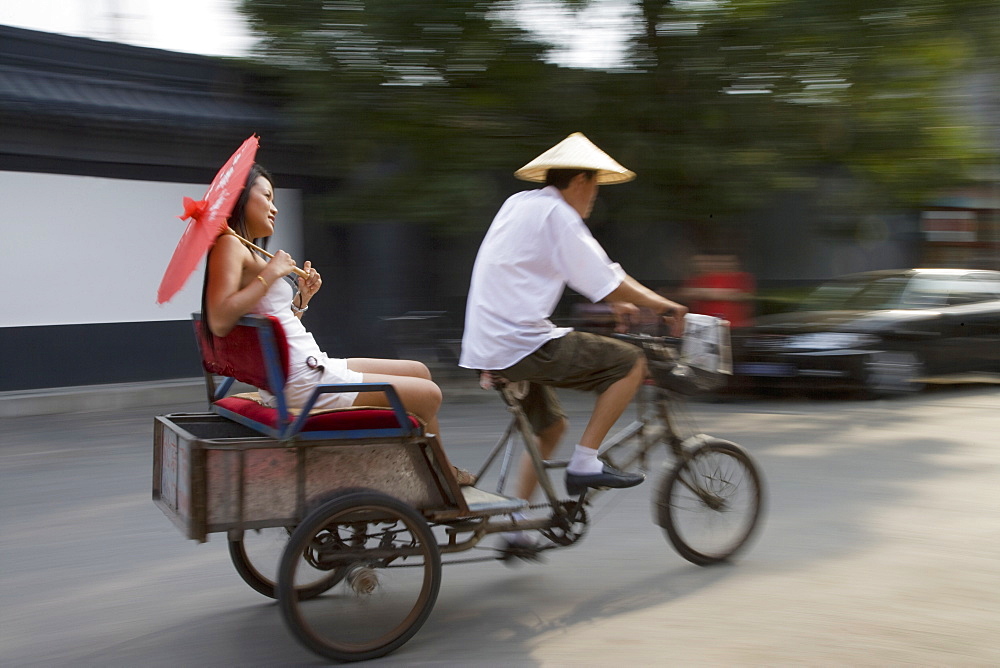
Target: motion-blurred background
<point>807,139</point>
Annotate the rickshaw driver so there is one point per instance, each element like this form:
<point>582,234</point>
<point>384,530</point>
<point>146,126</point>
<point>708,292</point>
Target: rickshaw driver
<point>536,246</point>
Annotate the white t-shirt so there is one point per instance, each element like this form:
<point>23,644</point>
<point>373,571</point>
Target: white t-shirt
<point>536,246</point>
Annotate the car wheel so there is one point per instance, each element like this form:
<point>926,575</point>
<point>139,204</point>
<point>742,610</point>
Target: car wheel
<point>892,373</point>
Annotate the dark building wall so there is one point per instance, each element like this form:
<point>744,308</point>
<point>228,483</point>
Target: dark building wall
<point>84,108</point>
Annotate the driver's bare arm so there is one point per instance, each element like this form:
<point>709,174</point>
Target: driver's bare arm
<point>633,292</point>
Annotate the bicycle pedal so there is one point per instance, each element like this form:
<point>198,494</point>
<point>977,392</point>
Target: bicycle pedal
<point>582,497</point>
<point>511,554</point>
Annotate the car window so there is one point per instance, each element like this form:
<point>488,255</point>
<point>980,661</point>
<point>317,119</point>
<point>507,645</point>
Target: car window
<point>938,291</point>
<point>858,294</point>
<point>976,288</point>
<point>931,291</point>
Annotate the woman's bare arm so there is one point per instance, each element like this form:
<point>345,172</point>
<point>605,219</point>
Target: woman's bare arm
<point>233,284</point>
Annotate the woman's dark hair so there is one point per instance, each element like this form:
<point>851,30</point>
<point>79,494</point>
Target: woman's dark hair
<point>237,219</point>
<point>237,223</point>
<point>560,178</point>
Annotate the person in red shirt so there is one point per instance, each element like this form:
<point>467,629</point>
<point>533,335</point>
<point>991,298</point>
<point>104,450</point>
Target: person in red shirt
<point>719,288</point>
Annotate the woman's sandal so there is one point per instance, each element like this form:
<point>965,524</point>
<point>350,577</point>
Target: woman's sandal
<point>465,479</point>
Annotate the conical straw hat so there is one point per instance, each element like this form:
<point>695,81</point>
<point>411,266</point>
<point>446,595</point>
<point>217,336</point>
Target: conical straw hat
<point>576,152</point>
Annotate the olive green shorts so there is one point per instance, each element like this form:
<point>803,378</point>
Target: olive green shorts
<point>580,361</point>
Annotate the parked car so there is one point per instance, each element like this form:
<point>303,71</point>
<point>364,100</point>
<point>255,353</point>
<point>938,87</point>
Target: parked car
<point>880,331</point>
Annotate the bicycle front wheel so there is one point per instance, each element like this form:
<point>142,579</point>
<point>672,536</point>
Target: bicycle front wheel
<point>710,503</point>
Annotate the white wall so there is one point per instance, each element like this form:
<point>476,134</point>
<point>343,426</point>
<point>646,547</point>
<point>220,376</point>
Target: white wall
<point>79,249</point>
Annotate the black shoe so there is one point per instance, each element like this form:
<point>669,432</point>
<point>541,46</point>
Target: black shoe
<point>577,484</point>
<point>511,551</point>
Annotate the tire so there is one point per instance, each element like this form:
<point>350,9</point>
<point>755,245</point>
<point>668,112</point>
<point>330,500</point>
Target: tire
<point>709,503</point>
<point>256,557</point>
<point>393,574</point>
<point>892,373</point>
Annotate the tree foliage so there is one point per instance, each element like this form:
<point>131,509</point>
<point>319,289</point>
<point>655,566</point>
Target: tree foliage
<point>412,103</point>
<point>425,108</point>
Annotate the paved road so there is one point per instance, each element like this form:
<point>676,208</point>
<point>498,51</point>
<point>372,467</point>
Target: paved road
<point>881,548</point>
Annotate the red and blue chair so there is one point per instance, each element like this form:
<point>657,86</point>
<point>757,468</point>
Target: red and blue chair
<point>255,352</point>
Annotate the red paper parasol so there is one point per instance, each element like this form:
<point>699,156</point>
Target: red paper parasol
<point>208,220</point>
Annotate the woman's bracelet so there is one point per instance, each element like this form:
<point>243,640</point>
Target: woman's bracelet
<point>299,309</point>
<point>266,284</point>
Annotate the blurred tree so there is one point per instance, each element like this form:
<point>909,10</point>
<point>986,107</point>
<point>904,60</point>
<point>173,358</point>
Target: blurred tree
<point>424,106</point>
<point>733,100</point>
<point>413,103</point>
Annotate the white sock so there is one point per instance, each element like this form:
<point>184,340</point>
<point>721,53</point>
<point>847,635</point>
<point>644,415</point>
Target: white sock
<point>584,461</point>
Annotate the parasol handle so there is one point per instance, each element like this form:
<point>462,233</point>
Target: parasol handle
<point>295,270</point>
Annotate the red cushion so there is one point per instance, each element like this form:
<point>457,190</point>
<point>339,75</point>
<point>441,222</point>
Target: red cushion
<point>239,354</point>
<point>340,420</point>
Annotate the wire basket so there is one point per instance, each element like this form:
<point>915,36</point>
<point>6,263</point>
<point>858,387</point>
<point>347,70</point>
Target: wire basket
<point>670,373</point>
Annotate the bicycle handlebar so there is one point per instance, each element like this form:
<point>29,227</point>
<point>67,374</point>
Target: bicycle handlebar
<point>639,339</point>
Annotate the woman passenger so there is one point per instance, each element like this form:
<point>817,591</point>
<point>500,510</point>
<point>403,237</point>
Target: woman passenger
<point>238,281</point>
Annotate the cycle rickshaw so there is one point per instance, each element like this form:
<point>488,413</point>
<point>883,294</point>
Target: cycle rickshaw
<point>359,506</point>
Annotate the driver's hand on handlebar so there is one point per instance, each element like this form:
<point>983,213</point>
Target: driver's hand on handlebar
<point>673,317</point>
<point>623,313</point>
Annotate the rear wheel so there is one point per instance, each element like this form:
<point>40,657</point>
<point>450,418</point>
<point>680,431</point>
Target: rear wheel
<point>393,573</point>
<point>709,504</point>
<point>257,553</point>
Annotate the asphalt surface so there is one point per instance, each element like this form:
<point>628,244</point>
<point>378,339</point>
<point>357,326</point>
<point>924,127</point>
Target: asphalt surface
<point>880,548</point>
